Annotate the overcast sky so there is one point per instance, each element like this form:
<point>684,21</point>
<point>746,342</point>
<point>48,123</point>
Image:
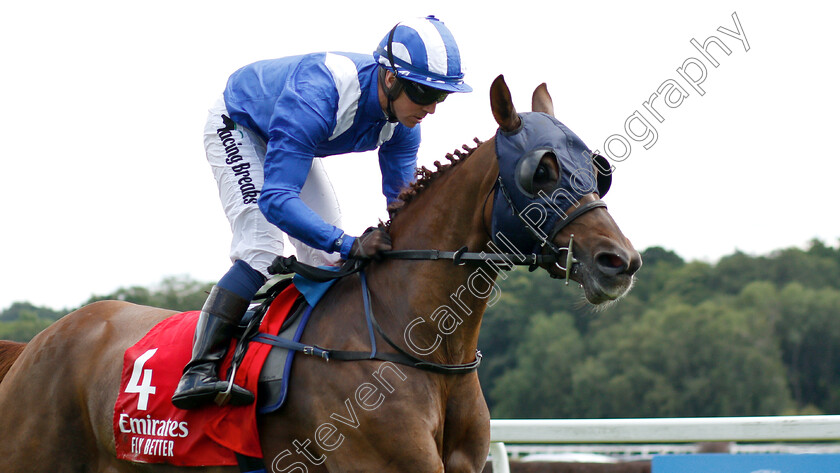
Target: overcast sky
<point>104,183</point>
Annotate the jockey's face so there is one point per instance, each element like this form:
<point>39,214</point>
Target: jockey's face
<point>407,112</point>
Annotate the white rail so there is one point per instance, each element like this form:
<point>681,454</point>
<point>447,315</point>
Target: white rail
<point>665,430</point>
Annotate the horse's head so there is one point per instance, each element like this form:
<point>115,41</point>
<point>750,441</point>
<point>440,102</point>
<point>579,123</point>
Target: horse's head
<point>548,199</point>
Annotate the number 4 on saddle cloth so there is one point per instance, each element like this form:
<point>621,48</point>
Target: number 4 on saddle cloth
<point>149,429</point>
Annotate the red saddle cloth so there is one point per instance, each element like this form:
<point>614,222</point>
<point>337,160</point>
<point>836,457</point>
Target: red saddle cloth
<point>149,429</point>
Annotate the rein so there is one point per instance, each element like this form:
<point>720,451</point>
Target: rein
<point>402,356</point>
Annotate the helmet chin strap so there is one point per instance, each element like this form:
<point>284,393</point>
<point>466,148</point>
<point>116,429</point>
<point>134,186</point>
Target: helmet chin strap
<point>391,93</point>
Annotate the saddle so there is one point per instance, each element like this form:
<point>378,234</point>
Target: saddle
<point>149,429</point>
<point>273,382</point>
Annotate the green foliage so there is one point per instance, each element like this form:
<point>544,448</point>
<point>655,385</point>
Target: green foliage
<point>701,360</point>
<point>23,328</point>
<point>808,329</point>
<point>544,367</point>
<point>24,310</point>
<point>175,293</point>
<point>22,320</point>
<point>749,335</point>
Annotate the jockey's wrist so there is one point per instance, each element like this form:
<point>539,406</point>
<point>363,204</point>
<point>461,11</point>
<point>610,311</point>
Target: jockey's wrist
<point>346,245</point>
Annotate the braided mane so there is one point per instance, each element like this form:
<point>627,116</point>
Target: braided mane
<point>424,177</point>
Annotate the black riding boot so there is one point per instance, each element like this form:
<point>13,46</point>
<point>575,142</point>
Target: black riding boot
<point>200,383</point>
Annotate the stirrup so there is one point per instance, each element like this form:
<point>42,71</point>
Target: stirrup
<point>224,397</point>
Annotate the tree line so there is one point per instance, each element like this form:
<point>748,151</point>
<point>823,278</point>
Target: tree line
<point>747,335</point>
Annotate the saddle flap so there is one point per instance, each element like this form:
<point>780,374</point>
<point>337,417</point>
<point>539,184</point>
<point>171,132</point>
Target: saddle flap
<point>275,375</point>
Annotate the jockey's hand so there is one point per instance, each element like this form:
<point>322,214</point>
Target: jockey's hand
<point>370,244</point>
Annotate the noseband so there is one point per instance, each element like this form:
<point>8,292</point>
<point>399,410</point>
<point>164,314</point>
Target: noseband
<point>546,241</point>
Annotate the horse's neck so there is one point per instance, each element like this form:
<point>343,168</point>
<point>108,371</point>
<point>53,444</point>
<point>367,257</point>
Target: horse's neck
<point>450,299</point>
<point>449,213</point>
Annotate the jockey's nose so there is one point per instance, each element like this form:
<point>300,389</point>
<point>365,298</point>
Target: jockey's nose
<point>430,108</point>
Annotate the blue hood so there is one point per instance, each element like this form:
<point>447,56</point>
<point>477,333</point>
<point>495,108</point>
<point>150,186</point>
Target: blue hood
<point>519,153</point>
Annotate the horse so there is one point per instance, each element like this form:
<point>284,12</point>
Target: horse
<point>9,351</point>
<point>57,400</point>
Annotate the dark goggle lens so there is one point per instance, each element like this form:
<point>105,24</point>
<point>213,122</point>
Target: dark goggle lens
<point>422,94</point>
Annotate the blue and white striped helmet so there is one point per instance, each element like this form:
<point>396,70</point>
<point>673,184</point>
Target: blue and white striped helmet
<point>423,50</point>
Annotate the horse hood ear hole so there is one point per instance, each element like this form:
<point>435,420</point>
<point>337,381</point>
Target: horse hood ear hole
<point>603,173</point>
<point>603,184</point>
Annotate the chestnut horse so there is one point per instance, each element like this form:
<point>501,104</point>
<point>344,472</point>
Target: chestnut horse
<point>57,400</point>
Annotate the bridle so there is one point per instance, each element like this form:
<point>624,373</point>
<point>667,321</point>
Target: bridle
<point>508,260</point>
<point>544,252</point>
<point>462,256</point>
<point>288,265</point>
<point>545,241</point>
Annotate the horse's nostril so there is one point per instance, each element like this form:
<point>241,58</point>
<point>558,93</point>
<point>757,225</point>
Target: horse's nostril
<point>613,260</point>
<point>611,263</point>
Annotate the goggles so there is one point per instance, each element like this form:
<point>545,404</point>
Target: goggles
<point>423,94</point>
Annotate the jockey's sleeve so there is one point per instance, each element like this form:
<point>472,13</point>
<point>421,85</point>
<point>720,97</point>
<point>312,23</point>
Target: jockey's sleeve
<point>301,120</point>
<point>398,161</point>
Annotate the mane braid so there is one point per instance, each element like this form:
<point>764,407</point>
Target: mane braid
<point>424,178</point>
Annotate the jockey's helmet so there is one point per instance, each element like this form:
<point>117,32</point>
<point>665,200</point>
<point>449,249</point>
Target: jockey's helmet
<point>423,51</point>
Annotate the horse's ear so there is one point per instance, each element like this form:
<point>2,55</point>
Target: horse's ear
<point>502,105</point>
<point>541,100</point>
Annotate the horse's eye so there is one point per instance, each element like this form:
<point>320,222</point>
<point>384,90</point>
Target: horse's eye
<point>547,173</point>
<point>541,173</point>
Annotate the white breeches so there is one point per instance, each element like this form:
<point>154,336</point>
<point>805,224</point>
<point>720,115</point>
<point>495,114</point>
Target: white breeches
<point>236,157</point>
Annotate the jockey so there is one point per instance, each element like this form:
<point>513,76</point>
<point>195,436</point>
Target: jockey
<point>262,138</point>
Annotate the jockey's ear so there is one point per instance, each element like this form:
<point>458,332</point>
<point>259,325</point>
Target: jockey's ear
<point>390,78</point>
<point>389,84</point>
